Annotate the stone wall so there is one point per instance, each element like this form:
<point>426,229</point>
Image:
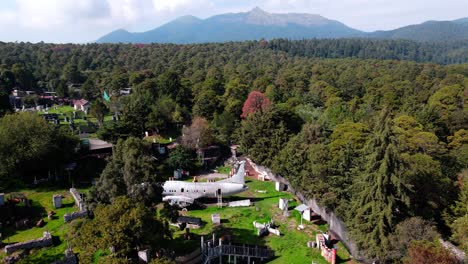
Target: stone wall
<point>44,241</point>
<point>76,195</point>
<point>72,216</point>
<point>336,225</point>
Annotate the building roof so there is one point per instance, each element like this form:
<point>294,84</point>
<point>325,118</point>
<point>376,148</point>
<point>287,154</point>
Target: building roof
<point>80,102</point>
<point>95,144</point>
<point>301,208</point>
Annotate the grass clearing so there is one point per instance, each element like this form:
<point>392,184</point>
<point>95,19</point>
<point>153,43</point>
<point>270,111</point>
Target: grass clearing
<point>42,199</point>
<point>290,247</point>
<point>223,169</point>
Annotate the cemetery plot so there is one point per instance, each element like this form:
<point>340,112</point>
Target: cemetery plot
<point>67,115</point>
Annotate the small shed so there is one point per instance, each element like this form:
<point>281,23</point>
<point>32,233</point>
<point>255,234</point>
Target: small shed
<point>279,186</point>
<point>305,211</point>
<point>81,105</point>
<point>190,222</point>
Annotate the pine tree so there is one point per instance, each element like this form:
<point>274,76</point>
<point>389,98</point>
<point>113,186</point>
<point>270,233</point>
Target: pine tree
<point>381,193</point>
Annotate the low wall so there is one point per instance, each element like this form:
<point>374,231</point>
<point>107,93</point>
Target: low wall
<point>44,241</point>
<point>72,216</point>
<point>336,225</point>
<point>77,197</point>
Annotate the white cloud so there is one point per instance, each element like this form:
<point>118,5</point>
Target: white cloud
<point>85,20</point>
<point>164,5</point>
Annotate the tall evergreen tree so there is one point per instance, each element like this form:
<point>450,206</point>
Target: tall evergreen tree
<point>381,192</point>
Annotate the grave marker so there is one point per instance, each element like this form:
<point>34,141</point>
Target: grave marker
<point>57,200</point>
<point>216,219</point>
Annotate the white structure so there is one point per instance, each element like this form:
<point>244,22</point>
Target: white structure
<point>216,219</point>
<point>305,211</point>
<point>81,105</point>
<point>263,176</point>
<point>144,255</point>
<point>266,228</point>
<point>242,203</point>
<point>57,200</point>
<point>279,186</point>
<point>183,193</point>
<point>125,91</point>
<point>283,203</point>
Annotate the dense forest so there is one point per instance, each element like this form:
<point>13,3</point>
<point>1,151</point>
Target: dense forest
<point>382,143</point>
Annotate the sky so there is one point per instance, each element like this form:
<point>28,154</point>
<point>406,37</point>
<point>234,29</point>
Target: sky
<point>81,21</point>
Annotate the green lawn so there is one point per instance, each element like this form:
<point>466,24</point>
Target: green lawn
<point>290,247</point>
<point>158,139</point>
<point>224,169</point>
<point>42,198</point>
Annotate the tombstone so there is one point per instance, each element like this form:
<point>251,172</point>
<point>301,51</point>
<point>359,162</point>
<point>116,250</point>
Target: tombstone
<point>2,199</point>
<point>279,186</point>
<point>283,204</point>
<point>57,200</point>
<point>216,219</point>
<point>74,114</point>
<point>177,174</point>
<point>69,254</point>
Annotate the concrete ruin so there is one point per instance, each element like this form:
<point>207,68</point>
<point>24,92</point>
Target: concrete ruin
<point>81,205</point>
<point>283,203</point>
<point>72,216</point>
<point>328,253</point>
<point>77,197</point>
<point>266,228</point>
<point>242,203</point>
<point>44,241</point>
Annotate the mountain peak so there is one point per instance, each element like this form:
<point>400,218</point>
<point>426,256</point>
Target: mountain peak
<point>188,19</point>
<point>254,24</point>
<point>258,10</point>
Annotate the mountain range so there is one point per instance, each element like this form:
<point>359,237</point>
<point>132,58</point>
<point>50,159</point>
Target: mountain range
<point>259,24</point>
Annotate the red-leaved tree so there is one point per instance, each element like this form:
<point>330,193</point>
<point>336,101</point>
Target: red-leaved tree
<point>255,101</point>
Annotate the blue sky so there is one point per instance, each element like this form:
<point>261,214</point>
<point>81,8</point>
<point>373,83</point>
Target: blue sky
<point>86,20</point>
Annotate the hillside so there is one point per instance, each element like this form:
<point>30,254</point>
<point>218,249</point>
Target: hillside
<point>428,31</point>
